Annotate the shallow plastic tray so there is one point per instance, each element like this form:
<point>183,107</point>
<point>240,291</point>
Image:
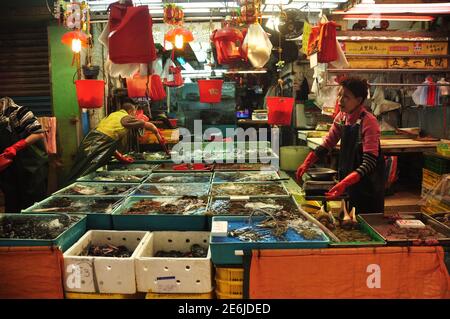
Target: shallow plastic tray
<point>191,177</point>
<point>282,191</point>
<point>105,177</point>
<point>167,189</point>
<point>375,221</point>
<point>158,221</point>
<point>63,241</point>
<point>246,177</point>
<point>99,187</point>
<point>377,240</point>
<point>95,219</point>
<point>135,167</point>
<point>223,249</point>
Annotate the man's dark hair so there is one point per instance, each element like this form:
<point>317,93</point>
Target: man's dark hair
<point>357,86</point>
<point>127,104</point>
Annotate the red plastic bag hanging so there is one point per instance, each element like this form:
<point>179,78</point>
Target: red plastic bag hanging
<point>157,91</point>
<point>132,41</point>
<point>313,42</point>
<point>327,43</point>
<point>117,11</point>
<point>228,42</point>
<point>172,74</point>
<point>279,110</point>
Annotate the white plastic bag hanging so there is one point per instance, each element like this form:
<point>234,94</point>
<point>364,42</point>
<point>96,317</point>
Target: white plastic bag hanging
<point>257,45</point>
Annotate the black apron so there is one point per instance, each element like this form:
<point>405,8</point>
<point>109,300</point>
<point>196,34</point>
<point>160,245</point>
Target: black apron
<point>367,196</point>
<point>94,152</point>
<point>24,182</point>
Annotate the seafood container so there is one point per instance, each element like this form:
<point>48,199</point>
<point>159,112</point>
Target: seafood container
<point>149,158</point>
<point>281,206</point>
<point>98,209</point>
<point>228,250</point>
<point>116,176</point>
<point>434,232</point>
<point>191,274</point>
<point>61,230</point>
<point>267,189</point>
<point>139,167</point>
<point>243,167</point>
<point>86,273</point>
<point>97,189</point>
<point>179,178</point>
<point>183,167</point>
<point>245,177</point>
<point>162,213</point>
<point>375,238</point>
<point>166,189</point>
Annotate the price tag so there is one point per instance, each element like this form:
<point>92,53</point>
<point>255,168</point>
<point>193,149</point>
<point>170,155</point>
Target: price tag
<point>219,229</point>
<point>166,284</point>
<point>412,223</point>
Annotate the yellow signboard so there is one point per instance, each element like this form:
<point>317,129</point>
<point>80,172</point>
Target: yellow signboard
<point>404,50</point>
<point>396,48</point>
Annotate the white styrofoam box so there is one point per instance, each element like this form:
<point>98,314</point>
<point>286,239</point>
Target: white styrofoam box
<point>103,274</point>
<point>174,275</point>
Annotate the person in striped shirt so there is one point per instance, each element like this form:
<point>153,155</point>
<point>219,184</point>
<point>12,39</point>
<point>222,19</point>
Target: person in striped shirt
<point>361,163</point>
<point>23,175</point>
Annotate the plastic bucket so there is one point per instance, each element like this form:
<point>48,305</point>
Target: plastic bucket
<point>90,93</point>
<point>137,86</point>
<point>280,110</point>
<point>292,156</point>
<point>210,90</point>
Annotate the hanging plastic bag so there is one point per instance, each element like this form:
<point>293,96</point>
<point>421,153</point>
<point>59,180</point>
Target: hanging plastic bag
<point>132,41</point>
<point>341,62</point>
<point>172,74</point>
<point>313,41</point>
<point>157,92</point>
<point>228,42</point>
<point>279,110</point>
<point>257,46</point>
<point>380,104</point>
<point>305,36</point>
<point>327,42</point>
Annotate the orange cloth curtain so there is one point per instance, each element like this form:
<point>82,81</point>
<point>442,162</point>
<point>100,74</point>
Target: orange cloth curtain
<point>383,272</point>
<point>31,272</point>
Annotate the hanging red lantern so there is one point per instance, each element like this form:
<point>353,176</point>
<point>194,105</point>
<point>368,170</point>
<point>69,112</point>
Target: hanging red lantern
<point>178,37</point>
<point>75,40</point>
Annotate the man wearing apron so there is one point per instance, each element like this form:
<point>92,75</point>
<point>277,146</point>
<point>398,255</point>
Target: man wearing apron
<point>24,169</point>
<point>361,163</point>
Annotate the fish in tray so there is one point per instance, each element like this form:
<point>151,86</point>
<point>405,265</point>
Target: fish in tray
<point>72,205</point>
<point>36,227</point>
<point>345,226</point>
<point>246,176</point>
<point>185,205</point>
<point>106,189</point>
<point>130,167</point>
<point>444,218</point>
<point>174,189</point>
<point>241,167</point>
<point>107,176</point>
<point>277,206</point>
<point>234,189</point>
<point>273,229</point>
<point>180,178</point>
<point>154,156</point>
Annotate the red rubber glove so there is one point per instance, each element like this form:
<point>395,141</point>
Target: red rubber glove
<point>123,159</point>
<point>11,152</point>
<point>309,160</point>
<point>338,189</point>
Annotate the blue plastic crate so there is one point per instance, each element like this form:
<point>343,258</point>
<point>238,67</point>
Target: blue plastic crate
<point>114,177</point>
<point>168,189</point>
<point>96,219</point>
<point>64,240</point>
<point>195,221</point>
<point>179,178</point>
<point>98,189</point>
<point>223,248</point>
